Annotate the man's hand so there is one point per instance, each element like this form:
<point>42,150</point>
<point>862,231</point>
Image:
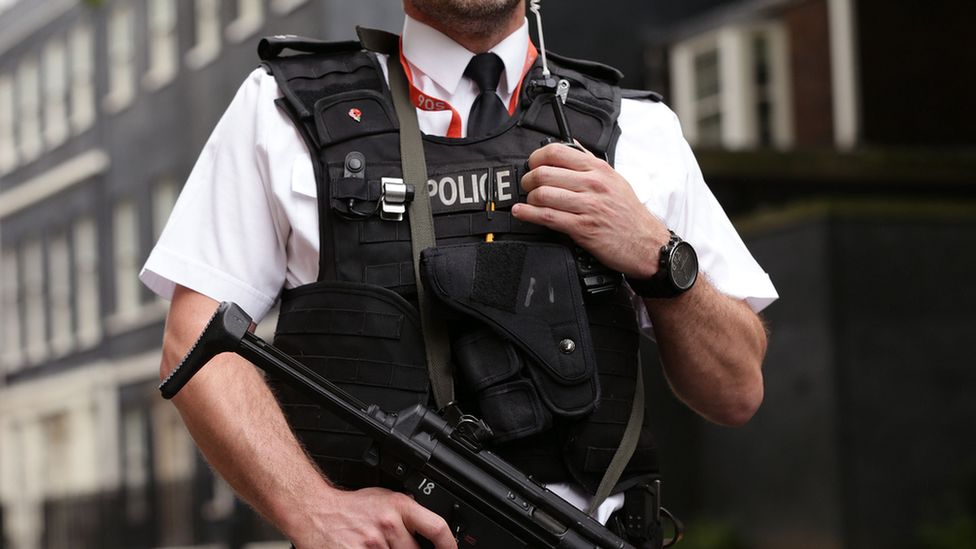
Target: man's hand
<point>375,518</point>
<point>711,345</point>
<point>239,427</point>
<point>582,196</point>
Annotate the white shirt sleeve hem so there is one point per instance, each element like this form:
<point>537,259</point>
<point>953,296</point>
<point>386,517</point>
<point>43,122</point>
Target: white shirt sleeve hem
<point>165,269</point>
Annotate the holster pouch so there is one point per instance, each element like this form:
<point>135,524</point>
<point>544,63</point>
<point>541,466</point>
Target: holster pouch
<point>527,296</point>
<point>494,371</point>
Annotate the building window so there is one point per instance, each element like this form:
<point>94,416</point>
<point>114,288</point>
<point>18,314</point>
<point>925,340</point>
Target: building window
<point>764,95</point>
<point>163,199</point>
<point>59,262</point>
<point>283,7</point>
<point>29,136</point>
<point>55,88</point>
<point>708,91</point>
<point>87,301</point>
<point>82,78</point>
<point>57,456</point>
<point>207,16</point>
<point>731,87</point>
<point>174,460</point>
<point>8,113</point>
<point>136,464</point>
<point>163,46</point>
<point>11,353</point>
<point>774,95</point>
<point>250,17</point>
<point>126,249</point>
<point>34,303</point>
<point>121,55</point>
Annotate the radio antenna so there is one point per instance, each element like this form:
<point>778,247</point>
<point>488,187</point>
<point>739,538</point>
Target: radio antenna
<point>534,7</point>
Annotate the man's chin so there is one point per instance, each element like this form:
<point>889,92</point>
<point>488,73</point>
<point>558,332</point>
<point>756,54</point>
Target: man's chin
<point>471,17</point>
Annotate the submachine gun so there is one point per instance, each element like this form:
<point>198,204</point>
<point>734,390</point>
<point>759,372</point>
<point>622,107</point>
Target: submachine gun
<point>485,501</point>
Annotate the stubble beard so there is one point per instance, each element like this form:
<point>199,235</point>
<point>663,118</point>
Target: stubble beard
<point>480,18</point>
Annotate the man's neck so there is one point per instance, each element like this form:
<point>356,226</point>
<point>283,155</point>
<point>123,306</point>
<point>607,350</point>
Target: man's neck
<point>473,43</point>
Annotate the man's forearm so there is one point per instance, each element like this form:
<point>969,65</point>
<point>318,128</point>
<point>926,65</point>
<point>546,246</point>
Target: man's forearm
<point>712,347</point>
<point>238,425</point>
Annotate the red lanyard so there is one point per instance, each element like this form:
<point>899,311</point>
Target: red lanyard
<point>427,102</point>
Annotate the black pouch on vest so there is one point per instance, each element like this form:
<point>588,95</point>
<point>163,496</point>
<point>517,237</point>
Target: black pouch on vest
<point>346,333</point>
<point>528,293</point>
<point>494,370</point>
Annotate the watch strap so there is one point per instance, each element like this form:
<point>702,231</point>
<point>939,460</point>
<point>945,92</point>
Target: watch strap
<point>660,285</point>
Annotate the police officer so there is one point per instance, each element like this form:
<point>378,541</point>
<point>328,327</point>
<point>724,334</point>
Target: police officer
<point>245,227</point>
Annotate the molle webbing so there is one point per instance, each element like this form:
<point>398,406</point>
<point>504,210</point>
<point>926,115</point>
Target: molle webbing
<point>362,310</point>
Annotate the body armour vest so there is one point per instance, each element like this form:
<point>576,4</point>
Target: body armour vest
<point>550,367</point>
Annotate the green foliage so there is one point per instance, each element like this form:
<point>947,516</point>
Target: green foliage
<point>952,524</point>
<point>956,532</point>
<point>93,3</point>
<point>712,535</point>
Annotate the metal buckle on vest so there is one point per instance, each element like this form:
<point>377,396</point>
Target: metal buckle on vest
<point>468,429</point>
<point>394,198</point>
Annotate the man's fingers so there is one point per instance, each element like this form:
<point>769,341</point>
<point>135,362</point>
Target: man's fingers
<point>560,199</point>
<point>555,176</point>
<point>547,217</point>
<point>557,154</point>
<point>427,524</point>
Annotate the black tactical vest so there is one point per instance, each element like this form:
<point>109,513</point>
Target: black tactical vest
<point>557,405</point>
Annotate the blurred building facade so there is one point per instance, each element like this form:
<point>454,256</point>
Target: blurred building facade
<point>837,134</point>
<point>830,129</point>
<point>104,107</point>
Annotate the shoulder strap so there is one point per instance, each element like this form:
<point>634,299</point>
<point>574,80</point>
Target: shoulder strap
<point>414,167</point>
<point>593,69</point>
<point>379,41</point>
<point>628,443</point>
<point>641,94</point>
<point>271,47</point>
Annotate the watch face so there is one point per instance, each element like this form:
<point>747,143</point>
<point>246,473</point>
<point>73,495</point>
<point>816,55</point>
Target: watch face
<point>684,266</point>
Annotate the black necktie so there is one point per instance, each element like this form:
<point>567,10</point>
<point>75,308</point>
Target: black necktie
<point>488,112</point>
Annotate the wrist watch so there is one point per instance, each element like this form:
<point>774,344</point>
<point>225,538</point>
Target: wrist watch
<point>677,271</point>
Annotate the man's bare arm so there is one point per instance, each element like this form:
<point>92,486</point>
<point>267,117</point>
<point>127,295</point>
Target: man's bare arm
<point>238,425</point>
<point>712,348</point>
<point>712,345</point>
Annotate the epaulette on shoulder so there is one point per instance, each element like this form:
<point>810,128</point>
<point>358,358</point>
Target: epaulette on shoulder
<point>272,47</point>
<point>592,69</point>
<point>642,94</point>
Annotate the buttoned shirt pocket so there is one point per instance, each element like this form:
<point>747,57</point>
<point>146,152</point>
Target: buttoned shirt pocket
<point>303,176</point>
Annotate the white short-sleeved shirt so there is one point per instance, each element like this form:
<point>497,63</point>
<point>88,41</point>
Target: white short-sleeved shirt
<point>246,224</point>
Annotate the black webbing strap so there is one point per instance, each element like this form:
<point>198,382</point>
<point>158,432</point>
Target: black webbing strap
<point>414,166</point>
<point>628,443</point>
<point>436,341</point>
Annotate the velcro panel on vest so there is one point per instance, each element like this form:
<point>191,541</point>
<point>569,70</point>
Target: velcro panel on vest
<point>451,190</point>
<point>465,189</point>
<point>347,333</point>
<point>529,294</point>
<point>352,114</point>
<point>306,79</point>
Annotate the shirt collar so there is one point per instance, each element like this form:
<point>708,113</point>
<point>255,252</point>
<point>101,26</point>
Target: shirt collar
<point>443,60</point>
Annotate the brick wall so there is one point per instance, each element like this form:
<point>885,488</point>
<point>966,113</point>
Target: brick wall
<point>811,80</point>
